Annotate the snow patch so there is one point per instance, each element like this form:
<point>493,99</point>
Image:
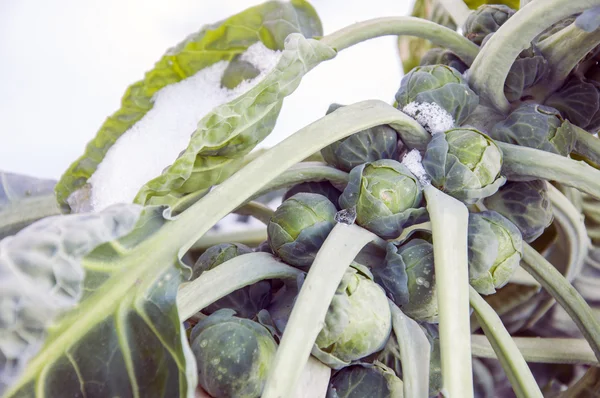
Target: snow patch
<point>155,142</point>
<point>431,116</point>
<point>413,162</point>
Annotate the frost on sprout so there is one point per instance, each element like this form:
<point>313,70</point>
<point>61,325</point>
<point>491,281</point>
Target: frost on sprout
<point>412,160</point>
<point>431,116</point>
<point>155,142</point>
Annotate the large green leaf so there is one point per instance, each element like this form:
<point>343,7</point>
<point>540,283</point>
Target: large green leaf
<point>41,277</point>
<point>270,23</point>
<point>124,336</point>
<point>233,129</point>
<point>24,200</point>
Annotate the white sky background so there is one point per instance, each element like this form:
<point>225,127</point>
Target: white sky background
<point>65,64</point>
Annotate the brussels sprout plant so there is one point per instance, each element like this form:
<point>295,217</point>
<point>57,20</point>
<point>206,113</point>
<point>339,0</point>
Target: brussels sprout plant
<point>444,242</point>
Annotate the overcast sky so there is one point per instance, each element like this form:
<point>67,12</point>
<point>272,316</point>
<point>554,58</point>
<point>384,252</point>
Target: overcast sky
<point>65,64</point>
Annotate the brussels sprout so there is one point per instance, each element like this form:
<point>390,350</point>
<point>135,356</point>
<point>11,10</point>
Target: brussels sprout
<point>299,226</point>
<point>437,56</point>
<point>365,380</point>
<point>578,101</point>
<point>358,322</point>
<point>525,204</point>
<point>441,85</point>
<point>385,195</point>
<point>380,142</point>
<point>485,20</point>
<point>495,249</point>
<point>246,301</point>
<point>324,188</point>
<point>527,70</point>
<point>264,247</point>
<point>407,275</point>
<point>233,355</point>
<point>464,163</point>
<point>536,126</point>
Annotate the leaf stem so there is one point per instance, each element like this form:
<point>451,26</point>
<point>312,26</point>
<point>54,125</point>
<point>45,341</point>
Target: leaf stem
<point>542,350</point>
<point>522,163</point>
<point>513,363</point>
<point>228,277</point>
<point>565,294</point>
<point>308,314</point>
<point>257,210</point>
<point>586,144</point>
<point>247,237</point>
<point>491,66</point>
<point>449,222</point>
<point>400,26</point>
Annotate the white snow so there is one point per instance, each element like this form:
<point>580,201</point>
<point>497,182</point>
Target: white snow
<point>431,116</point>
<point>413,161</point>
<point>154,143</point>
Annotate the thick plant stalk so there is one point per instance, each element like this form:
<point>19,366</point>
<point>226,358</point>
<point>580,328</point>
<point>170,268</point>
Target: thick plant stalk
<point>250,238</point>
<point>491,66</point>
<point>522,163</point>
<point>228,277</point>
<point>565,294</point>
<point>308,315</point>
<point>400,26</point>
<point>542,350</point>
<point>415,351</point>
<point>449,222</point>
<point>513,363</point>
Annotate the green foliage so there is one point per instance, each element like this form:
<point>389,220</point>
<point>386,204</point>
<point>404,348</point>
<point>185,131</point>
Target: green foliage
<point>526,204</point>
<point>299,227</point>
<point>578,101</point>
<point>270,23</point>
<point>495,250</point>
<point>464,163</point>
<point>376,143</point>
<point>529,69</point>
<point>233,355</point>
<point>536,126</point>
<point>358,322</point>
<point>439,84</point>
<point>386,197</point>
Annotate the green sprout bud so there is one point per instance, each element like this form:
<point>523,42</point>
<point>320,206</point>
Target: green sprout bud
<point>465,163</point>
<point>441,85</point>
<point>578,101</point>
<point>299,227</point>
<point>495,250</point>
<point>365,380</point>
<point>526,204</point>
<point>407,275</point>
<point>379,142</point>
<point>536,126</point>
<point>233,355</point>
<point>324,188</point>
<point>485,20</point>
<point>386,196</point>
<point>440,56</point>
<point>358,322</point>
<point>246,301</point>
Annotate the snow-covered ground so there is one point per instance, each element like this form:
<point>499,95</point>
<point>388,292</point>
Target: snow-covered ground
<point>65,65</point>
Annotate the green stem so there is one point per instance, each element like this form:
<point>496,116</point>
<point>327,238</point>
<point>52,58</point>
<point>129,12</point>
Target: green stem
<point>415,351</point>
<point>565,294</point>
<point>513,363</point>
<point>228,277</point>
<point>305,172</point>
<point>189,226</point>
<point>586,144</point>
<point>248,237</point>
<point>542,350</point>
<point>309,311</point>
<point>401,26</point>
<point>563,51</point>
<point>491,66</point>
<point>457,9</point>
<point>519,162</point>
<point>449,222</point>
<point>257,210</point>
